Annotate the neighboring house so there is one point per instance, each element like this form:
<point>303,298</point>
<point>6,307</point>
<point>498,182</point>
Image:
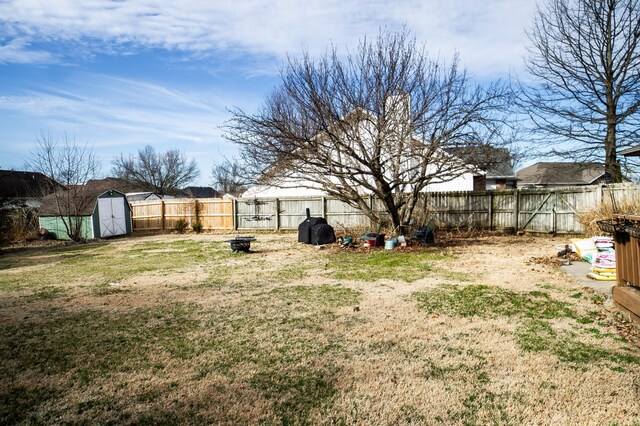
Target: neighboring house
<point>146,196</point>
<point>102,213</point>
<point>20,197</point>
<point>24,189</point>
<point>121,185</point>
<point>497,177</point>
<point>199,192</point>
<point>449,171</point>
<point>495,168</point>
<point>631,152</point>
<point>550,175</point>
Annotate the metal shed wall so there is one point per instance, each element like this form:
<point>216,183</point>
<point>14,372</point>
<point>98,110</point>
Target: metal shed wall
<point>56,225</point>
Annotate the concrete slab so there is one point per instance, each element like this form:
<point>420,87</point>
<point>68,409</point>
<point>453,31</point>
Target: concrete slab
<point>579,270</point>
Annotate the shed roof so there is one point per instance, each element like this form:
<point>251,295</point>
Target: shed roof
<point>552,173</point>
<point>83,201</point>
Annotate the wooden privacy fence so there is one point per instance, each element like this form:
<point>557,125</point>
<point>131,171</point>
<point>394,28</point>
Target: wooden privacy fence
<point>157,215</point>
<point>533,210</point>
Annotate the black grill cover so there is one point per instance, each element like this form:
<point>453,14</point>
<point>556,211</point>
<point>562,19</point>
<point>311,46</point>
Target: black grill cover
<point>304,229</point>
<point>322,234</point>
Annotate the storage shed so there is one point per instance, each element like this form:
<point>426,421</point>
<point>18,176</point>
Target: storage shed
<point>103,214</point>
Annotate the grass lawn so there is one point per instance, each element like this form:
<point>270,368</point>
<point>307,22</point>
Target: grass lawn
<point>176,329</point>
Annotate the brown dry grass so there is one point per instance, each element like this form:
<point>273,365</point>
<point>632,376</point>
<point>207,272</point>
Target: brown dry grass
<point>470,332</point>
<point>606,210</point>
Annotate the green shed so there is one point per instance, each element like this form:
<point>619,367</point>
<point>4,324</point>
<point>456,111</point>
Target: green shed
<point>103,214</point>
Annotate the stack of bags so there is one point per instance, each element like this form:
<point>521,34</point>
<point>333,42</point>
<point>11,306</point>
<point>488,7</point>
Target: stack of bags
<point>600,253</point>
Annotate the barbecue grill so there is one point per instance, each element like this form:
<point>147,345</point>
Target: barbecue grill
<point>315,230</point>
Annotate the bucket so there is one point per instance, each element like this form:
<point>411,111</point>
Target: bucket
<point>390,244</point>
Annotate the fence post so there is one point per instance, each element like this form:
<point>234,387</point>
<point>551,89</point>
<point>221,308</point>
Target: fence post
<point>162,215</point>
<point>235,214</point>
<point>490,210</point>
<point>324,207</point>
<point>277,204</point>
<point>554,213</point>
<point>371,207</point>
<point>516,209</point>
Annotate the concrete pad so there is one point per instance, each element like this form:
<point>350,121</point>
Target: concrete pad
<point>579,270</point>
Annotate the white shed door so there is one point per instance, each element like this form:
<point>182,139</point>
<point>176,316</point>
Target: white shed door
<point>112,218</point>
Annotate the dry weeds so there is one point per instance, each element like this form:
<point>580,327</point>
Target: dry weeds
<point>176,329</point>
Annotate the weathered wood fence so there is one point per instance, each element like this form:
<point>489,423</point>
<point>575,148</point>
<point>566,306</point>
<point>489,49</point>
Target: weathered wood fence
<point>533,210</point>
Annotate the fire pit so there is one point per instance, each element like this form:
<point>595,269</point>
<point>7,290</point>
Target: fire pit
<point>239,244</point>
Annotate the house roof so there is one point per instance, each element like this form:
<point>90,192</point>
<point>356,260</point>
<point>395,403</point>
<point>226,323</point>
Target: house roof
<point>120,185</point>
<point>495,162</point>
<point>561,173</point>
<point>200,192</point>
<point>631,152</point>
<point>22,184</point>
<point>85,199</point>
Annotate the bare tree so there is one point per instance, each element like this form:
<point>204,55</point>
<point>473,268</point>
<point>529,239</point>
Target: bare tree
<point>585,59</point>
<point>71,165</point>
<point>381,120</point>
<point>161,172</point>
<point>230,177</point>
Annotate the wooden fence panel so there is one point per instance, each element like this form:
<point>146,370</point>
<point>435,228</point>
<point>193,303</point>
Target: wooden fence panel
<point>176,209</point>
<point>292,211</point>
<point>158,215</point>
<point>257,214</point>
<point>215,214</point>
<point>502,210</point>
<point>147,215</point>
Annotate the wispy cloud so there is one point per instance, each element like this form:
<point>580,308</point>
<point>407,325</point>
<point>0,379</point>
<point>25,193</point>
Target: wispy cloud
<point>18,51</point>
<point>489,33</point>
<point>120,115</point>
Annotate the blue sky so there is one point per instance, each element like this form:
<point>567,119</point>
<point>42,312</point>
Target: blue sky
<point>121,74</point>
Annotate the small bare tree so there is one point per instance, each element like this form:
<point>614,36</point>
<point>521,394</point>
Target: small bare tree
<point>71,165</point>
<point>585,59</point>
<point>230,177</point>
<point>383,120</point>
<point>161,172</point>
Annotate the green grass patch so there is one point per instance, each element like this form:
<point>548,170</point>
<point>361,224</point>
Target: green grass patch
<point>92,264</point>
<point>539,335</point>
<point>325,295</point>
<point>490,301</point>
<point>91,343</point>
<point>296,392</point>
<point>377,265</point>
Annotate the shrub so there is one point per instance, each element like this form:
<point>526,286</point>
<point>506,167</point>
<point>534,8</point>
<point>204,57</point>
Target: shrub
<point>181,226</point>
<point>606,211</point>
<point>197,227</point>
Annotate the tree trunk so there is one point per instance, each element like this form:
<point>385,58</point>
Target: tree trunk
<point>611,164</point>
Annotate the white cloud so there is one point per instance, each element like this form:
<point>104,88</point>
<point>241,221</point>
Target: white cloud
<point>17,51</point>
<point>488,34</point>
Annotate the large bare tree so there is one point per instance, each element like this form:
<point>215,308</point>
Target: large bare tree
<point>585,60</point>
<point>380,120</point>
<point>71,165</point>
<point>161,172</point>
